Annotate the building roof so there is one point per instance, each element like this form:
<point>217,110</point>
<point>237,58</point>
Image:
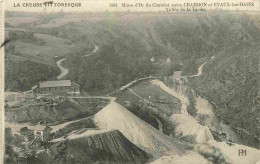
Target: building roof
<point>39,97</point>
<point>34,87</point>
<point>29,96</point>
<point>72,83</point>
<point>58,83</point>
<point>37,127</point>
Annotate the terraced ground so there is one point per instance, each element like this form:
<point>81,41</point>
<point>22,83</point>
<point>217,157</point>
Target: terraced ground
<point>47,114</point>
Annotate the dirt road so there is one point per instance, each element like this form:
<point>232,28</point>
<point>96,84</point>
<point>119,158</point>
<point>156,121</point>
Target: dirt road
<point>64,71</point>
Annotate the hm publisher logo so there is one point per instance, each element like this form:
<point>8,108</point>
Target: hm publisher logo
<point>241,152</point>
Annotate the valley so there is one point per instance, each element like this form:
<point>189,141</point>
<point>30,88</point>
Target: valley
<point>152,88</point>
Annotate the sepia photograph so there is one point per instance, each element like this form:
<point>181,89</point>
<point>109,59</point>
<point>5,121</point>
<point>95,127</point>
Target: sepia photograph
<point>118,85</point>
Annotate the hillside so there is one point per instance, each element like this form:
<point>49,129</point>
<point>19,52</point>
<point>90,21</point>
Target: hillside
<point>183,38</point>
<point>22,75</point>
<point>151,104</point>
<point>115,116</point>
<point>31,57</point>
<point>231,82</point>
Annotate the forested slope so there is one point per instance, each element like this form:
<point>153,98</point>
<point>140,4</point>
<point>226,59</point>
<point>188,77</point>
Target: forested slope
<point>233,85</point>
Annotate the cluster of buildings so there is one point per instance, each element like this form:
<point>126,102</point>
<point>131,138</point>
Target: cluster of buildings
<point>52,88</point>
<point>40,131</point>
<point>44,91</point>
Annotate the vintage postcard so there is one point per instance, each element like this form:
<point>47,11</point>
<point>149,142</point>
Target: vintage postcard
<point>130,82</point>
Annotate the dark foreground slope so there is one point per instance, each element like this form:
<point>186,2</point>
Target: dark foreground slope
<point>107,147</point>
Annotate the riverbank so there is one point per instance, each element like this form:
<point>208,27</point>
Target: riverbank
<point>242,133</point>
<point>222,125</point>
<point>215,122</point>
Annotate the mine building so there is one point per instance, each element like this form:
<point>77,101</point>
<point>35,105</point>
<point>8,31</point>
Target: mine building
<point>58,87</point>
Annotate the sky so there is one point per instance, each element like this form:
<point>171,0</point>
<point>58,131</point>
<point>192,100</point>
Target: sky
<point>103,5</point>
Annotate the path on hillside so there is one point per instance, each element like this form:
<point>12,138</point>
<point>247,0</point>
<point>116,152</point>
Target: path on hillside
<point>64,71</point>
<point>74,135</point>
<point>139,96</point>
<point>60,126</point>
<point>200,68</point>
<point>96,48</point>
<point>17,126</point>
<point>136,81</point>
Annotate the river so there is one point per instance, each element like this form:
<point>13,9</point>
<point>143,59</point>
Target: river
<point>177,87</point>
